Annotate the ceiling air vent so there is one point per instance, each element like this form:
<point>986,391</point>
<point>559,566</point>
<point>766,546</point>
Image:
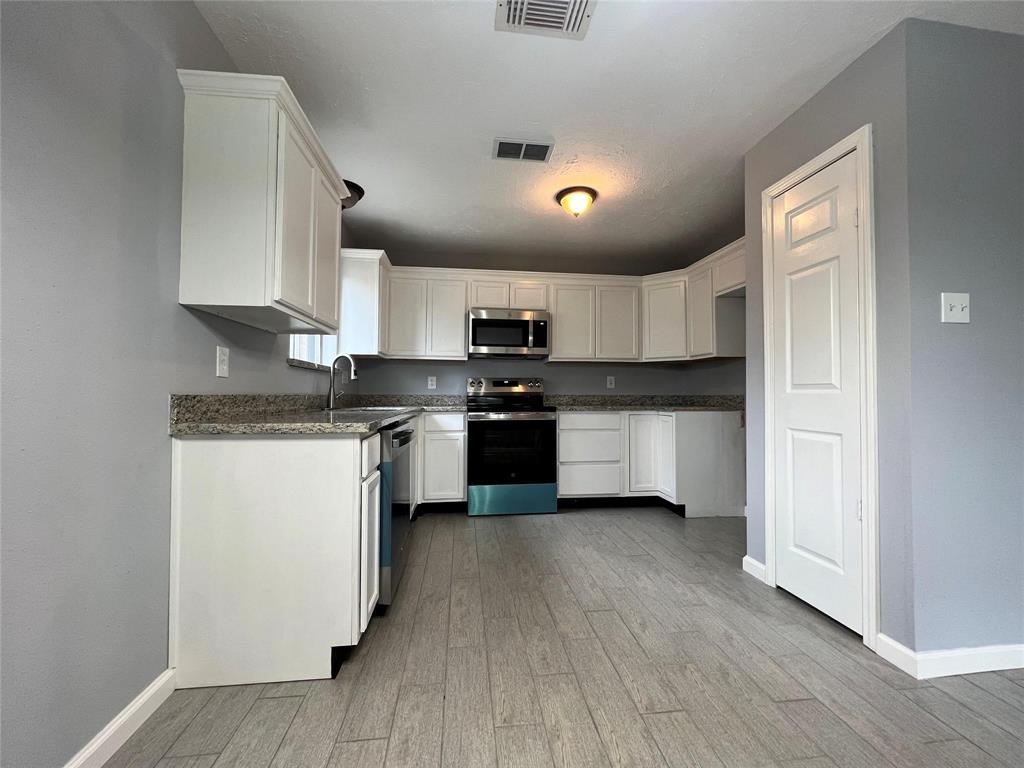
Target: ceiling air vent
<point>553,18</point>
<point>519,149</point>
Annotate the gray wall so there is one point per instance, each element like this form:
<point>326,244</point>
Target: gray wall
<point>401,377</point>
<point>965,129</point>
<point>945,104</point>
<point>93,343</point>
<point>871,90</point>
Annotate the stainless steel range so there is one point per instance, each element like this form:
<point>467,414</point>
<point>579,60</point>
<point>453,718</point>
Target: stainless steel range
<point>513,464</point>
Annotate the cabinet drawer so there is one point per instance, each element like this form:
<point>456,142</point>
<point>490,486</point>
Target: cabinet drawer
<point>589,421</point>
<point>589,445</point>
<point>370,455</point>
<point>730,273</point>
<point>443,422</point>
<point>589,479</point>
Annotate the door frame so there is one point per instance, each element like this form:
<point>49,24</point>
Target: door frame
<point>860,141</point>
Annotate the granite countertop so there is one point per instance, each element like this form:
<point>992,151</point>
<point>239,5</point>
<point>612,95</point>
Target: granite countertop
<point>364,414</point>
<point>293,414</point>
<point>666,403</point>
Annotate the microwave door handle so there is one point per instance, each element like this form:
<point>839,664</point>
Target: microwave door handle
<point>529,337</point>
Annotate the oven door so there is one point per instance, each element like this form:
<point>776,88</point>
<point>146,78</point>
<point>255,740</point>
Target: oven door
<point>512,449</point>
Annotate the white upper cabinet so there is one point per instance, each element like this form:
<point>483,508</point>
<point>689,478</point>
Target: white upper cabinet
<point>260,206</point>
<point>700,314</point>
<point>618,322</point>
<point>297,182</point>
<point>665,320</point>
<point>730,272</point>
<point>677,315</point>
<point>326,303</point>
<point>407,316</point>
<point>528,295</point>
<point>489,294</point>
<point>573,322</point>
<point>364,302</point>
<point>426,316</point>
<point>501,294</point>
<point>446,322</point>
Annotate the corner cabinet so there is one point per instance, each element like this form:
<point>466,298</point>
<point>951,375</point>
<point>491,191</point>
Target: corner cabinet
<point>260,207</point>
<point>364,302</point>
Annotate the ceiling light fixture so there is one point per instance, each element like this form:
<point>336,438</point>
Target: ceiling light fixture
<point>356,194</point>
<point>576,200</point>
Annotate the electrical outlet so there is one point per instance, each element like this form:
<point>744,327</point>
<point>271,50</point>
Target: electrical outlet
<point>431,382</point>
<point>610,382</point>
<point>223,353</point>
<point>956,307</point>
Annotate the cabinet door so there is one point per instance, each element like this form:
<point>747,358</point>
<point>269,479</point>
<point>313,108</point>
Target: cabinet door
<point>573,322</point>
<point>407,316</point>
<point>618,322</point>
<point>667,456</point>
<point>369,549</point>
<point>488,294</point>
<point>665,321</point>
<point>296,182</point>
<point>328,248</point>
<point>528,296</point>
<point>643,452</point>
<point>700,314</point>
<point>446,328</point>
<point>444,466</point>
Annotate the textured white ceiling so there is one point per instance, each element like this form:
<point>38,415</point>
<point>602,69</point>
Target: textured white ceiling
<point>655,109</point>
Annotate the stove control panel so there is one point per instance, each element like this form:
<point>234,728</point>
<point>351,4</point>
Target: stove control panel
<point>484,386</point>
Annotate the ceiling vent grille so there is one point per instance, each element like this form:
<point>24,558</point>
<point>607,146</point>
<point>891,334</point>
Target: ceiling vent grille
<point>520,149</point>
<point>552,18</point>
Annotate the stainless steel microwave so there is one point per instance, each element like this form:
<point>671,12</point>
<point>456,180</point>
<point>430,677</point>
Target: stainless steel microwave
<point>509,332</point>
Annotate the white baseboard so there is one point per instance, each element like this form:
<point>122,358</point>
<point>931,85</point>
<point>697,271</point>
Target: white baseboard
<point>956,661</point>
<point>753,567</point>
<point>116,732</point>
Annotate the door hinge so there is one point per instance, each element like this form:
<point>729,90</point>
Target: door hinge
<point>856,217</point>
<point>860,509</point>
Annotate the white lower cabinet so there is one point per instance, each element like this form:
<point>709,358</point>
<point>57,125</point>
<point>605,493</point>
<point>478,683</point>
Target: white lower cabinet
<point>590,454</point>
<point>442,439</point>
<point>643,452</point>
<point>666,456</point>
<point>692,458</point>
<point>272,555</point>
<point>369,549</point>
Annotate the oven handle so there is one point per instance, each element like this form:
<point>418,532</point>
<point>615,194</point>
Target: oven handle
<point>513,416</point>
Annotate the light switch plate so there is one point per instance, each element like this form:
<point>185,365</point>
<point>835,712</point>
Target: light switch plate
<point>431,382</point>
<point>610,382</point>
<point>956,307</point>
<point>223,353</point>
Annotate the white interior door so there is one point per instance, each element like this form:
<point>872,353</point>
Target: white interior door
<point>816,391</point>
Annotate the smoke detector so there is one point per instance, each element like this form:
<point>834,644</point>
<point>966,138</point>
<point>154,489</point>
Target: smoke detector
<point>551,18</point>
<point>521,149</point>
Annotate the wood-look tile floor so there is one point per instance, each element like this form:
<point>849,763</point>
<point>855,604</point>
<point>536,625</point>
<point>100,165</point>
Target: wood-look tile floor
<point>622,637</point>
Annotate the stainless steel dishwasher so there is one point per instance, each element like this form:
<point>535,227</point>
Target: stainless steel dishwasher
<point>395,504</point>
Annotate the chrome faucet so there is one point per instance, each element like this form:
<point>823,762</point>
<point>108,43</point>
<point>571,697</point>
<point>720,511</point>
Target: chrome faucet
<point>332,390</point>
